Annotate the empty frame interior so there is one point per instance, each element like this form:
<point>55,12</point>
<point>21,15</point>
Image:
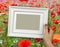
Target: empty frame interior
<point>27,21</point>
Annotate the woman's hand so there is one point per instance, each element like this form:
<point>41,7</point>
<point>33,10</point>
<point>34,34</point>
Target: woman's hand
<point>48,34</point>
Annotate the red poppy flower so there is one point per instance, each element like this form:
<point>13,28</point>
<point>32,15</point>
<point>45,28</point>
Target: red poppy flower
<point>0,30</point>
<point>52,14</point>
<point>34,0</point>
<point>56,38</point>
<point>53,28</point>
<point>59,28</point>
<point>38,5</point>
<point>58,12</point>
<point>1,5</point>
<point>23,0</point>
<point>37,39</point>
<point>2,8</point>
<point>55,41</point>
<point>52,6</point>
<point>24,43</point>
<point>55,21</point>
<point>57,4</point>
<point>14,5</point>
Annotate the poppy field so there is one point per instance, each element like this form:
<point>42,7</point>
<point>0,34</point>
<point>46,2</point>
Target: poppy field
<point>53,22</point>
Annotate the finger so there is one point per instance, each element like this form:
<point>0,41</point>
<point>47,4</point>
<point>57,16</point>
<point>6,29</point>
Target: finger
<point>45,29</point>
<point>51,33</point>
<point>46,35</point>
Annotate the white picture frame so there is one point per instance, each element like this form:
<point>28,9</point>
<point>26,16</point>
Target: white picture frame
<point>24,15</point>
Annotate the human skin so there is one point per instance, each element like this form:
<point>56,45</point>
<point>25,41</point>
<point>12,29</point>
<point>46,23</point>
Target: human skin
<point>48,36</point>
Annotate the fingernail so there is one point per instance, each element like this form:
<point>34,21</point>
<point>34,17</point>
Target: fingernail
<point>46,24</point>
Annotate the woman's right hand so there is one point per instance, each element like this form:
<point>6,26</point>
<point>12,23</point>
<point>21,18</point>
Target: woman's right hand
<point>48,34</point>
